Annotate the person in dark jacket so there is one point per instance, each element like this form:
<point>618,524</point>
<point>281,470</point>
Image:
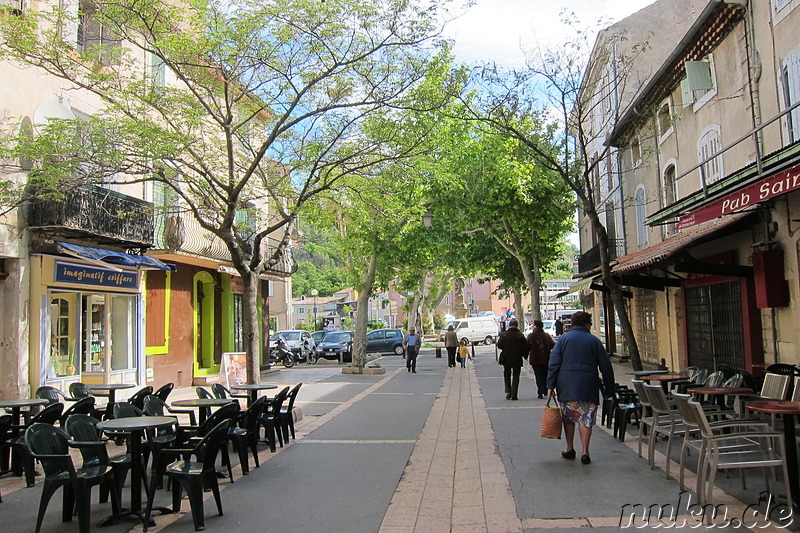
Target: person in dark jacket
<point>513,348</point>
<point>573,374</point>
<point>540,343</point>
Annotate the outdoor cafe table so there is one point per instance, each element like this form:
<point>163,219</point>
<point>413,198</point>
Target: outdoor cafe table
<point>136,426</point>
<point>643,373</point>
<point>789,410</point>
<point>720,392</point>
<point>202,404</point>
<point>252,389</point>
<point>665,379</point>
<point>17,404</point>
<point>111,390</point>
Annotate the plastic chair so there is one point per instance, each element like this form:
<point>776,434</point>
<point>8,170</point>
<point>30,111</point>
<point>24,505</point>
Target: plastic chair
<point>79,390</point>
<point>194,475</point>
<point>667,422</point>
<point>21,455</point>
<point>765,456</point>
<point>50,445</point>
<point>193,434</point>
<point>84,406</point>
<point>270,420</point>
<point>222,392</point>
<point>204,394</point>
<point>155,406</point>
<point>50,393</point>
<point>246,435</point>
<point>164,391</point>
<point>626,405</point>
<point>88,440</point>
<point>138,398</point>
<point>287,415</point>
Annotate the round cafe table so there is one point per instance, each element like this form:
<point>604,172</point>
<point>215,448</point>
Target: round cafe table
<point>203,405</point>
<point>719,392</point>
<point>665,379</point>
<point>252,389</point>
<point>110,390</point>
<point>136,426</point>
<point>643,373</point>
<point>17,404</point>
<point>788,410</point>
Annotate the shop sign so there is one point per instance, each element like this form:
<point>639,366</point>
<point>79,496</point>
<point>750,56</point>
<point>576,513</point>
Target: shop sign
<point>781,183</point>
<point>99,277</point>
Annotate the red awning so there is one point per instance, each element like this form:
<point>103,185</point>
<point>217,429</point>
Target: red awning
<point>779,183</point>
<point>669,247</point>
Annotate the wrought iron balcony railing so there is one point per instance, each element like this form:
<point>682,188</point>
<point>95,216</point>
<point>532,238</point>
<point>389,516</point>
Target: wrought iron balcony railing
<point>96,212</point>
<point>184,234</point>
<point>591,259</point>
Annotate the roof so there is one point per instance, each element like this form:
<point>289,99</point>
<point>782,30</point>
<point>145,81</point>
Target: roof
<point>664,250</point>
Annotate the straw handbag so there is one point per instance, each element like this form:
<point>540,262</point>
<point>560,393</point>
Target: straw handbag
<point>551,420</point>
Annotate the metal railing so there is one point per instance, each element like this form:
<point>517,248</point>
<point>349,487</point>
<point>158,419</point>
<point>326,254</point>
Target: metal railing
<point>591,259</point>
<point>92,210</point>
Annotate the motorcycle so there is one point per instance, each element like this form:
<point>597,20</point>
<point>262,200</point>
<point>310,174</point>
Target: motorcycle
<point>280,352</point>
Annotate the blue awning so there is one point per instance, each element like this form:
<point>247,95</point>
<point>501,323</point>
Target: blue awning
<point>111,257</point>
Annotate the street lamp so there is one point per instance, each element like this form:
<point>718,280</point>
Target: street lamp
<point>427,219</point>
<point>314,293</point>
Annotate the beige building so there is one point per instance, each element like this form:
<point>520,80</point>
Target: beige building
<point>709,165</point>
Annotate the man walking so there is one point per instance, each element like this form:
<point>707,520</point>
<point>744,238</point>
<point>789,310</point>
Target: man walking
<point>540,343</point>
<point>514,349</point>
<point>411,344</point>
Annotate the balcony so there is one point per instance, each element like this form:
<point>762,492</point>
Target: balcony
<point>182,234</point>
<point>591,259</point>
<point>95,213</point>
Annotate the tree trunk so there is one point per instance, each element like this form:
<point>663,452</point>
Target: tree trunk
<point>533,278</point>
<point>519,309</point>
<point>251,327</point>
<point>362,315</point>
<point>616,291</point>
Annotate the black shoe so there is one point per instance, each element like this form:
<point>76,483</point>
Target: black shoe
<point>569,455</point>
<point>514,398</point>
<point>508,396</point>
<point>540,396</point>
<point>585,459</point>
<point>409,369</point>
<point>413,371</point>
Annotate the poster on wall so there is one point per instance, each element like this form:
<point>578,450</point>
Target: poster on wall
<point>234,368</point>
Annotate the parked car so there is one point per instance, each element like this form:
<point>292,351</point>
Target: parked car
<point>385,341</point>
<point>473,330</point>
<point>299,341</point>
<point>318,335</point>
<point>335,343</point>
<point>549,327</point>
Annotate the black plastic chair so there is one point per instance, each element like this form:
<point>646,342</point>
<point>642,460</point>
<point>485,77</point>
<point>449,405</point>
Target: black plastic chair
<point>138,398</point>
<point>203,394</point>
<point>193,476</point>
<point>626,405</point>
<point>52,394</point>
<point>222,392</point>
<point>79,390</point>
<point>246,435</point>
<point>287,417</point>
<point>164,391</point>
<point>50,445</point>
<point>84,406</point>
<point>193,434</point>
<point>155,406</point>
<point>89,441</point>
<point>22,460</point>
<point>270,419</point>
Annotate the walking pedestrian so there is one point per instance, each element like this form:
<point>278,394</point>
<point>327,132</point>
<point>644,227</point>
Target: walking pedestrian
<point>463,354</point>
<point>540,343</point>
<point>572,372</point>
<point>513,348</point>
<point>451,345</point>
<point>411,345</point>
<point>559,327</point>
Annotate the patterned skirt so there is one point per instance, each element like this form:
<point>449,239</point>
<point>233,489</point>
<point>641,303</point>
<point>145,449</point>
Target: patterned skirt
<point>584,413</point>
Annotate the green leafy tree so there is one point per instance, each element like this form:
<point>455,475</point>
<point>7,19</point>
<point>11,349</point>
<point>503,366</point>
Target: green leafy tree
<point>264,111</point>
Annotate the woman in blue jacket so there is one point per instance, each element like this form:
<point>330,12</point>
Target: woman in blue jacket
<point>573,375</point>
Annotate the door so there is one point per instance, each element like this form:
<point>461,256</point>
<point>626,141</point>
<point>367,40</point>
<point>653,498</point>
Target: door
<point>376,341</point>
<point>714,325</point>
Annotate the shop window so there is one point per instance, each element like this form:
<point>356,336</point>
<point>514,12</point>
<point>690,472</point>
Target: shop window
<point>791,92</point>
<point>640,206</point>
<point>707,147</point>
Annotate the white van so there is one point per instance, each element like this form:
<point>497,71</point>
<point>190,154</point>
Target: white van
<point>473,329</point>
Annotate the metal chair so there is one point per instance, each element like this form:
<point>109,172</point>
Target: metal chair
<point>769,454</point>
<point>50,445</point>
<point>667,421</point>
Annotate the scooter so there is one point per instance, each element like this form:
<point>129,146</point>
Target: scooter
<point>280,353</point>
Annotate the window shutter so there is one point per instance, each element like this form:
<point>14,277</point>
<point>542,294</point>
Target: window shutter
<point>687,96</point>
<point>793,90</point>
<point>698,75</point>
<point>780,4</point>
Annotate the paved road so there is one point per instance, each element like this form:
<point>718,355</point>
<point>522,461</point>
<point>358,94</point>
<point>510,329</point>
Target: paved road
<point>439,450</point>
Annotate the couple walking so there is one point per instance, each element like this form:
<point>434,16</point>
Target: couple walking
<point>516,348</point>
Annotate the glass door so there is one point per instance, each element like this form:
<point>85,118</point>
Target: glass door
<point>65,356</point>
<point>95,333</point>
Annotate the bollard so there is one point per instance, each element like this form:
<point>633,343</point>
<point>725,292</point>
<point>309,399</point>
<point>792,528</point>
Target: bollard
<point>438,351</point>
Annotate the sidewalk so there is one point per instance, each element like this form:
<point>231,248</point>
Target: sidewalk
<point>439,450</point>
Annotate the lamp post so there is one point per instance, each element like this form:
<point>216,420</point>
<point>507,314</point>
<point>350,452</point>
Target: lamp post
<point>314,293</point>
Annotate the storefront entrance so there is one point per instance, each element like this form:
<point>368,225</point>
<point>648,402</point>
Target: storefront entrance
<point>714,325</point>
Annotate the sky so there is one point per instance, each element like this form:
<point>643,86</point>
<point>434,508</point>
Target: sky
<point>493,30</point>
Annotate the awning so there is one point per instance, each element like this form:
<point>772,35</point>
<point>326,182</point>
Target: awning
<point>671,246</point>
<point>102,256</point>
<point>580,285</point>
